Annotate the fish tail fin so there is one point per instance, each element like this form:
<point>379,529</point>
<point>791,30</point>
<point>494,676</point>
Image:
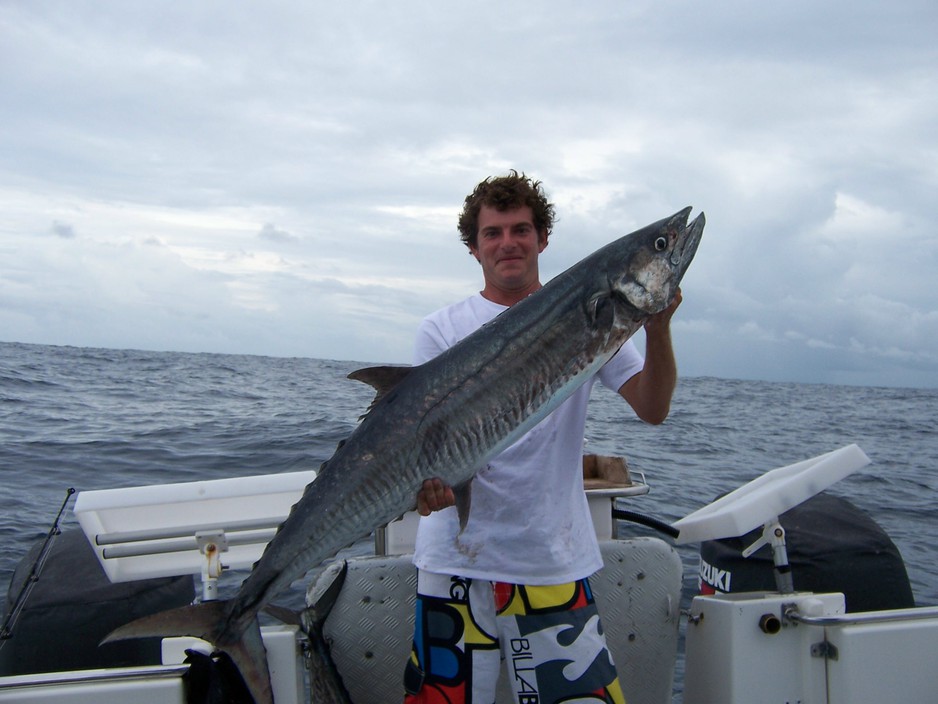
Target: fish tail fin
<point>209,621</point>
<point>250,656</point>
<point>206,621</point>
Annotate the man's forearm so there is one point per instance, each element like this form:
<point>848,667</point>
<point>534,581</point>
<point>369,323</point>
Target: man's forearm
<point>654,385</point>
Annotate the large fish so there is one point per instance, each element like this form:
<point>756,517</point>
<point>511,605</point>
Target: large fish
<point>446,419</point>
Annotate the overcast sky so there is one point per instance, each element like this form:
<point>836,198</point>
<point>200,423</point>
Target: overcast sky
<point>283,178</point>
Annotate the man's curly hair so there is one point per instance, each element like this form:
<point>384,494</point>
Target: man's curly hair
<point>506,193</point>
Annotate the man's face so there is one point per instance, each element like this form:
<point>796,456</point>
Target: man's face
<point>507,247</point>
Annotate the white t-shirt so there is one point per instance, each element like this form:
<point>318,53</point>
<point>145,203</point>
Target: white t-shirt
<point>529,522</point>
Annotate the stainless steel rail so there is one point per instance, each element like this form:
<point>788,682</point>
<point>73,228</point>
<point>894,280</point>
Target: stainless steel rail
<point>899,615</point>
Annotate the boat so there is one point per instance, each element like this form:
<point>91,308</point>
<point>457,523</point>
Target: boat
<point>769,645</point>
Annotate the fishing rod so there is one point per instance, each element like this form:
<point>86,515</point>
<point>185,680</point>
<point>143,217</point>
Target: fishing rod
<point>6,630</point>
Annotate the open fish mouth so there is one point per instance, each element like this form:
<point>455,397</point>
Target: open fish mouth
<point>687,241</point>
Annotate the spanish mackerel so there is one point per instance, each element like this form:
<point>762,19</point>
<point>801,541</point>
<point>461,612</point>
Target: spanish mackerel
<point>447,418</point>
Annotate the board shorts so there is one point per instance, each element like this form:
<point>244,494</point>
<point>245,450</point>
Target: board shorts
<point>549,637</point>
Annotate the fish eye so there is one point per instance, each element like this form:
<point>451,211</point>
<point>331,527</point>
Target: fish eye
<point>661,243</point>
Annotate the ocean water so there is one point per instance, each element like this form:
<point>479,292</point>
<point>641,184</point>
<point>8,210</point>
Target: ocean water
<point>98,418</point>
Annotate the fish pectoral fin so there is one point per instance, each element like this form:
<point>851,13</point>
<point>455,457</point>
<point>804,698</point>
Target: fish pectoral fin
<point>463,494</point>
<point>383,379</point>
<point>600,311</point>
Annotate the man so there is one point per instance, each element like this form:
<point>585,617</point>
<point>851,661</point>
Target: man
<point>513,583</point>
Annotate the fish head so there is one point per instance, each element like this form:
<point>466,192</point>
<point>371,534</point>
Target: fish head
<point>654,261</point>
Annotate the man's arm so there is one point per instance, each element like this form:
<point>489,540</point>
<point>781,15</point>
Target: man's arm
<point>649,392</point>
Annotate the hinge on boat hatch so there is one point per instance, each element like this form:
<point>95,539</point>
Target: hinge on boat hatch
<point>825,649</point>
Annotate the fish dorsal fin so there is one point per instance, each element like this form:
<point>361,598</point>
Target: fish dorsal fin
<point>383,379</point>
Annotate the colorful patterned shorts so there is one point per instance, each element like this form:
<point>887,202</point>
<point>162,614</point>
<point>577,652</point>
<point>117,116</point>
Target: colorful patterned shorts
<point>550,639</point>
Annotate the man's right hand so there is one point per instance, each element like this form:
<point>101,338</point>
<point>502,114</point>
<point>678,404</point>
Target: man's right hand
<point>434,495</point>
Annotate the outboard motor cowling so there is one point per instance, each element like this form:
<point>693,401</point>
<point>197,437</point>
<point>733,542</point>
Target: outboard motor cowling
<point>832,546</point>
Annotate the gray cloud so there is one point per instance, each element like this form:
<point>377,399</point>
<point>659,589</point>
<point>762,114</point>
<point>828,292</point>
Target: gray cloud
<point>272,233</point>
<point>189,145</point>
<point>63,230</point>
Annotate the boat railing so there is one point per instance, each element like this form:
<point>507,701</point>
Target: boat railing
<point>921,613</point>
<point>175,539</point>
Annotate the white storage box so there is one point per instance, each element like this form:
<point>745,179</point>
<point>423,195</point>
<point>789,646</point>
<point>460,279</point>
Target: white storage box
<point>153,531</point>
